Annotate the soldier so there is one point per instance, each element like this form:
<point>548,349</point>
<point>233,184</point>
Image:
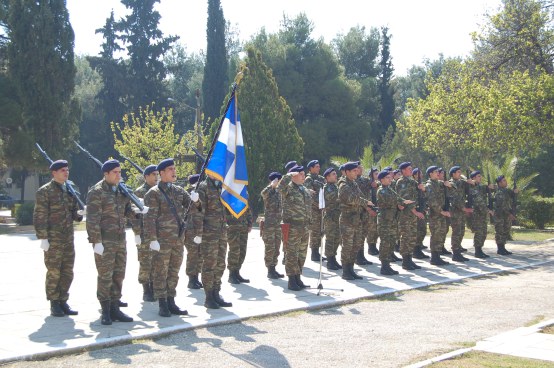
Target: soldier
<point>478,194</point>
<point>503,214</point>
<point>237,233</point>
<point>315,182</point>
<point>297,204</point>
<point>331,218</point>
<point>164,229</point>
<point>213,241</point>
<point>444,251</point>
<point>54,213</point>
<point>365,186</point>
<point>435,197</point>
<point>271,230</point>
<point>408,188</point>
<point>387,201</point>
<point>458,211</point>
<point>194,229</point>
<point>143,248</point>
<point>421,222</point>
<point>372,231</point>
<point>107,212</point>
<point>351,201</point>
<point>395,176</point>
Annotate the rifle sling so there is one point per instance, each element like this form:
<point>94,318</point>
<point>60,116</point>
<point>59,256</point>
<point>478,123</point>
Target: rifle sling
<point>173,210</point>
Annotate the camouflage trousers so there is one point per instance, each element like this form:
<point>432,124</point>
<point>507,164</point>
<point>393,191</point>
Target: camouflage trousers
<point>372,230</point>
<point>297,248</point>
<point>332,234</point>
<point>437,226</point>
<point>166,264</point>
<point>458,223</point>
<point>387,233</point>
<point>214,250</point>
<point>363,229</point>
<point>237,236</point>
<point>315,229</point>
<point>59,261</point>
<point>194,256</point>
<point>145,255</point>
<point>110,267</point>
<point>407,225</point>
<point>272,240</point>
<point>479,223</point>
<point>502,225</point>
<point>421,230</point>
<point>350,232</point>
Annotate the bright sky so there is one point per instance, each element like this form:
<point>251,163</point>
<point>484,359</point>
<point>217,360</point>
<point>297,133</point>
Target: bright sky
<point>420,28</point>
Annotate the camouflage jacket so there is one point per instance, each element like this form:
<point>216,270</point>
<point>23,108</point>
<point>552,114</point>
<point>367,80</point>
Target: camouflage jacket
<point>314,182</point>
<point>457,194</point>
<point>272,205</point>
<point>503,202</point>
<point>406,187</point>
<point>350,197</point>
<point>55,211</point>
<point>387,201</point>
<point>435,196</point>
<point>159,221</point>
<point>331,193</point>
<point>478,193</point>
<point>195,217</point>
<point>244,220</point>
<point>107,213</point>
<point>138,224</point>
<point>297,203</point>
<point>213,211</point>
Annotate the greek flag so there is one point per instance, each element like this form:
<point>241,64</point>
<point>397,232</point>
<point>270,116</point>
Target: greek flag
<point>228,162</point>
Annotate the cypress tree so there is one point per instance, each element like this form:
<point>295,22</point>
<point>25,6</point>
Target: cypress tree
<point>386,116</point>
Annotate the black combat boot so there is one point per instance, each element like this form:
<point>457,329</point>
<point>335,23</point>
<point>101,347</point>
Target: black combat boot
<point>332,264</point>
<point>56,309</point>
<point>173,308</point>
<point>273,274</point>
<point>418,253</point>
<point>372,249</point>
<point>346,272</point>
<point>502,250</point>
<point>210,301</point>
<point>397,246</point>
<point>386,269</point>
<point>394,257</point>
<point>458,257</point>
<point>462,249</point>
<point>480,254</point>
<point>106,315</point>
<point>67,309</point>
<point>147,292</point>
<point>233,279</point>
<point>241,279</point>
<point>361,260</point>
<point>437,260</point>
<point>194,283</point>
<point>292,284</point>
<point>407,263</point>
<point>219,299</point>
<point>164,308</point>
<point>121,304</point>
<point>422,246</point>
<point>117,314</point>
<point>356,276</point>
<point>445,252</point>
<point>300,283</point>
<point>315,255</point>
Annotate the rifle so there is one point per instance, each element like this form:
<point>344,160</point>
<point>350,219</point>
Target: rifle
<point>446,206</point>
<point>489,195</point>
<point>469,203</point>
<point>69,184</point>
<point>514,203</point>
<point>420,204</point>
<point>140,169</point>
<point>123,188</point>
<point>198,154</point>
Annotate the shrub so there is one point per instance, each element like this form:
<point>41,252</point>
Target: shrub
<point>24,214</point>
<point>538,210</point>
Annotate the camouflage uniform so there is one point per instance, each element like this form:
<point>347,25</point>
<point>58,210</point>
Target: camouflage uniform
<point>143,249</point>
<point>160,224</point>
<point>315,182</point>
<point>457,197</point>
<point>297,210</point>
<point>406,187</point>
<point>372,229</point>
<point>194,228</point>
<point>332,215</point>
<point>435,198</point>
<point>237,237</point>
<point>55,211</point>
<point>107,213</point>
<point>214,234</point>
<point>478,193</point>
<point>365,187</point>
<point>503,203</point>
<point>388,202</point>
<point>272,225</point>
<point>351,202</point>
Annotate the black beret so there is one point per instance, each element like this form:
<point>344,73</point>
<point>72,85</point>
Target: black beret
<point>328,171</point>
<point>165,163</point>
<point>453,169</point>
<point>193,179</point>
<point>430,169</point>
<point>415,171</point>
<point>382,174</point>
<point>110,165</point>
<point>499,179</point>
<point>372,170</point>
<point>275,175</point>
<point>396,171</point>
<point>404,165</point>
<point>350,166</point>
<point>58,164</point>
<point>149,169</point>
<point>290,164</point>
<point>296,168</point>
<point>388,168</point>
<point>440,169</point>
<point>474,174</point>
<point>312,163</point>
<point>341,167</point>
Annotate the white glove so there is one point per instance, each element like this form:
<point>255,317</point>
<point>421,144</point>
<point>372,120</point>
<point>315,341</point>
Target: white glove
<point>98,248</point>
<point>274,182</point>
<point>194,196</point>
<point>141,200</point>
<point>138,240</point>
<point>144,210</point>
<point>82,212</point>
<point>197,239</point>
<point>154,245</point>
<point>44,244</point>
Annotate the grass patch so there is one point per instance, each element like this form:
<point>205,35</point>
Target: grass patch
<point>479,359</point>
<point>535,320</point>
<point>548,330</point>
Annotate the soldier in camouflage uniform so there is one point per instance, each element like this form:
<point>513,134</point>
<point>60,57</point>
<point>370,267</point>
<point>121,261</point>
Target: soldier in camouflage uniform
<point>388,202</point>
<point>479,198</point>
<point>194,229</point>
<point>314,182</point>
<point>143,247</point>
<point>331,219</point>
<point>271,233</point>
<point>444,251</point>
<point>54,213</point>
<point>458,211</point>
<point>372,230</point>
<point>297,204</point>
<point>164,228</point>
<point>503,214</point>
<point>365,186</point>
<point>351,201</point>
<point>395,176</point>
<point>237,237</point>
<point>421,222</point>
<point>435,198</point>
<point>213,241</point>
<point>107,213</point>
<point>408,188</point>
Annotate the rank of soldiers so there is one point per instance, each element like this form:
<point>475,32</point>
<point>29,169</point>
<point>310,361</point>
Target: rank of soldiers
<point>300,207</point>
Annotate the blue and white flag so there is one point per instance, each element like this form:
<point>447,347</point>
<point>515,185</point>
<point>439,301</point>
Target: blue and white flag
<point>228,162</point>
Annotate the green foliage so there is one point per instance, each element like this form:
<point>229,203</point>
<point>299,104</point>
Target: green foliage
<point>538,210</point>
<point>386,89</point>
<point>358,51</point>
<point>24,214</point>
